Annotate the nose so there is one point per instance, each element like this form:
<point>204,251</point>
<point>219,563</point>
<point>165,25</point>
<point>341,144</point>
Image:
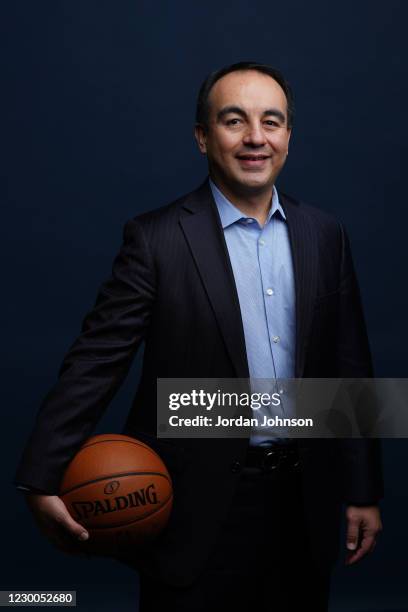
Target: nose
<point>254,135</point>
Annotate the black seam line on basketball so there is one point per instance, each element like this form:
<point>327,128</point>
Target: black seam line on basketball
<point>111,477</point>
<point>136,443</point>
<point>142,518</point>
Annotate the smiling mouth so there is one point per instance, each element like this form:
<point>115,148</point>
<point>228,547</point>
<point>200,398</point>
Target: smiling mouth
<point>253,158</point>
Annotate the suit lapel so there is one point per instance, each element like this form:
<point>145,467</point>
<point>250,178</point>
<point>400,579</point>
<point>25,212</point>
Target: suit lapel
<point>203,231</point>
<point>303,241</point>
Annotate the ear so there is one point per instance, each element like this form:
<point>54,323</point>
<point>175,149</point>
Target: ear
<point>201,138</point>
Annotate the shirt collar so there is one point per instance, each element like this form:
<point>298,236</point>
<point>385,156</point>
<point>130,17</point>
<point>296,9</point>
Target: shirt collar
<point>230,214</point>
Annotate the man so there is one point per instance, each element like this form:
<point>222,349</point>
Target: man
<point>236,279</point>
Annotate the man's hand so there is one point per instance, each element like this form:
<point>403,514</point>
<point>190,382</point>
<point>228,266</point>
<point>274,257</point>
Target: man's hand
<point>56,523</point>
<point>363,525</point>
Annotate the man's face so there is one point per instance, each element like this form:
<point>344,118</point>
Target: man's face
<point>247,139</point>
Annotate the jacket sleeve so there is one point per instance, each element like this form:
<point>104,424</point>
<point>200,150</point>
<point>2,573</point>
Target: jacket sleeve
<point>95,365</point>
<point>360,458</point>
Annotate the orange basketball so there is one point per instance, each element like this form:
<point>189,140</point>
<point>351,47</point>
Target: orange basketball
<point>120,490</point>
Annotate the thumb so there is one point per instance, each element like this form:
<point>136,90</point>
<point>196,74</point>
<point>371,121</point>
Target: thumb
<point>65,520</point>
<point>352,533</point>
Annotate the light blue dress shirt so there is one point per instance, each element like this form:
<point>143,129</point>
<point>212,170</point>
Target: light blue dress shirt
<point>262,264</point>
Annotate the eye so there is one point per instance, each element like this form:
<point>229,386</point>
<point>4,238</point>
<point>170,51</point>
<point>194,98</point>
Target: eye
<point>271,123</point>
<point>234,121</point>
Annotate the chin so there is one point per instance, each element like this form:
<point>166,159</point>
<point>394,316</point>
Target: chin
<point>253,182</point>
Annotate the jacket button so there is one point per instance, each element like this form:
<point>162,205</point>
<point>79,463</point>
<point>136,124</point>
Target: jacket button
<point>236,467</point>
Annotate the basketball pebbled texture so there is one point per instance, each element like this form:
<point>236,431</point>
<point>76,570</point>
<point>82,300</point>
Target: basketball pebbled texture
<point>120,490</point>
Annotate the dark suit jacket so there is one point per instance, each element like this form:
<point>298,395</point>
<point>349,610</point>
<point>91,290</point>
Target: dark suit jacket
<point>172,286</point>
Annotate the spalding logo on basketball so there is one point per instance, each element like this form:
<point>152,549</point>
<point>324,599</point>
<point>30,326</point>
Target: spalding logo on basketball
<point>120,490</point>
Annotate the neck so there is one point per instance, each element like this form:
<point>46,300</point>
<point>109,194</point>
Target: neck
<point>252,203</point>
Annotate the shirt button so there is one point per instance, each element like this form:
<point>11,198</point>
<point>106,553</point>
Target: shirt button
<point>262,242</point>
<point>235,467</point>
<point>249,220</point>
<point>276,339</point>
<point>269,291</point>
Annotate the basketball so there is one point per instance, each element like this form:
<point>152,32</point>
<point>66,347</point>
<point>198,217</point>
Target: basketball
<point>120,490</point>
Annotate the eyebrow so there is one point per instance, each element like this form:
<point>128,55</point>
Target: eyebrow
<point>270,112</point>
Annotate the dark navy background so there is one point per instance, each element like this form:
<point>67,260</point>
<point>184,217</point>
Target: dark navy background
<point>99,100</point>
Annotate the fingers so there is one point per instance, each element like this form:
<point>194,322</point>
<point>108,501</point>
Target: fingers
<point>67,523</point>
<point>363,526</point>
<point>367,546</point>
<point>62,539</point>
<point>353,531</point>
<point>57,524</point>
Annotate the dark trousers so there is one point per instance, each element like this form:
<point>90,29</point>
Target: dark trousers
<point>262,556</point>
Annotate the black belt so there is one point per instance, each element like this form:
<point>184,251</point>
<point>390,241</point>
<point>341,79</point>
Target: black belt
<point>278,457</point>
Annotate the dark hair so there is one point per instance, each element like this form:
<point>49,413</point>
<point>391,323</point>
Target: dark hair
<point>203,107</point>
